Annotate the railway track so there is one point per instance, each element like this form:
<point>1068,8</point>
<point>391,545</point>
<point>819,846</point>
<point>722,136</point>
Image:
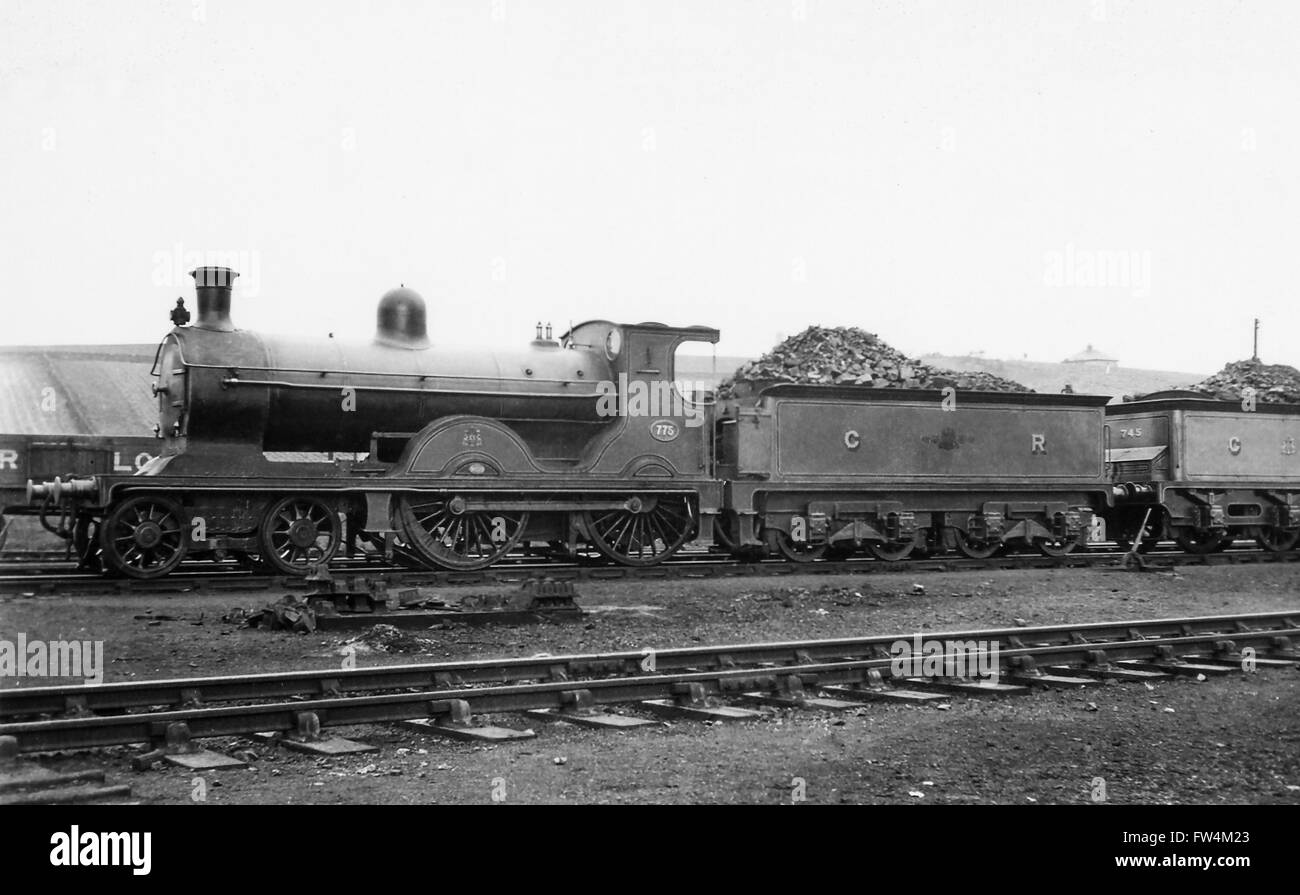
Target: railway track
<point>16,557</point>
<point>444,697</point>
<point>47,579</point>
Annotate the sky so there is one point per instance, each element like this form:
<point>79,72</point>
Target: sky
<point>1015,178</point>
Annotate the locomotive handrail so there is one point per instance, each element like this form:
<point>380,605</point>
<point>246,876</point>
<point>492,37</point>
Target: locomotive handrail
<point>422,376</point>
<point>153,370</point>
<point>234,369</point>
<point>279,383</point>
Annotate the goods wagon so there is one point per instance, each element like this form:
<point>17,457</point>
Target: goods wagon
<point>24,458</point>
<point>1205,472</point>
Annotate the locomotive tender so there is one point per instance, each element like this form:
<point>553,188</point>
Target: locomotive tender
<point>455,458</point>
<point>817,469</point>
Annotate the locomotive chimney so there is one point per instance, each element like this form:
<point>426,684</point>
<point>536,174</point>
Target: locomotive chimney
<point>213,285</point>
<point>402,321</point>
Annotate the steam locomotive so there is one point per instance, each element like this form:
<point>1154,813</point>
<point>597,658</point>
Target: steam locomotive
<point>287,451</point>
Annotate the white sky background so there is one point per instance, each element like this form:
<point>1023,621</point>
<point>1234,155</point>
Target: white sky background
<point>943,174</point>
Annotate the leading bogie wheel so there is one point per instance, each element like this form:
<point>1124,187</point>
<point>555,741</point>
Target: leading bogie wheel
<point>144,536</point>
<point>298,532</point>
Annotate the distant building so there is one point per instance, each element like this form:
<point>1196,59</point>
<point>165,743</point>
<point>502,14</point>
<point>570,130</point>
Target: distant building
<point>1091,357</point>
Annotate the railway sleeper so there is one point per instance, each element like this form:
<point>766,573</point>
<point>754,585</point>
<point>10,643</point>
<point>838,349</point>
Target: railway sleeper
<point>967,688</point>
<point>578,707</point>
<point>1226,653</point>
<point>1098,665</point>
<point>874,688</point>
<point>453,719</point>
<point>307,738</point>
<point>1025,671</point>
<point>1165,660</point>
<point>174,744</point>
<point>692,700</point>
<point>790,693</point>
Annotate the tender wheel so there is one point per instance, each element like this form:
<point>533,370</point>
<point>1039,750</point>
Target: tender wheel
<point>648,531</point>
<point>976,548</point>
<point>144,536</point>
<point>891,551</point>
<point>1198,541</point>
<point>780,543</point>
<point>1055,546</point>
<point>1276,540</point>
<point>299,532</point>
<point>443,533</point>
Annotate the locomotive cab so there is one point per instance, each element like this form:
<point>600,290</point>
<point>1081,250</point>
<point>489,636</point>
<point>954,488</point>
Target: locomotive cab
<point>660,421</point>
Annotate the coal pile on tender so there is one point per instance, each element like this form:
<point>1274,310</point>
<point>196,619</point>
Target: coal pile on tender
<point>846,355</point>
<point>1273,383</point>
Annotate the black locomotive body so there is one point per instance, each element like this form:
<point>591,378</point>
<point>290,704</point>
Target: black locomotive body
<point>456,457</point>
